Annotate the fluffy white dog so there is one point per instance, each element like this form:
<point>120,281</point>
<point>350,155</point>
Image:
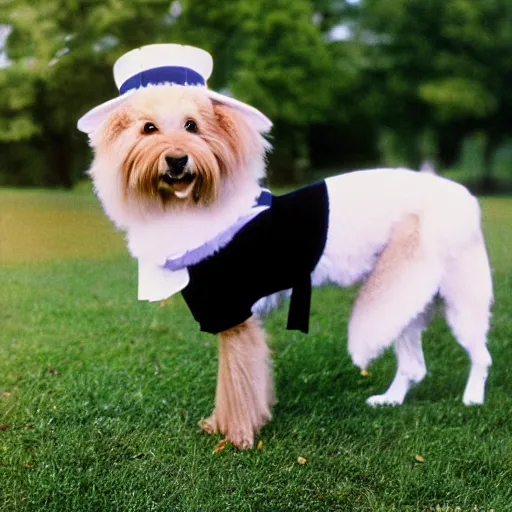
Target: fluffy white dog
<point>178,168</point>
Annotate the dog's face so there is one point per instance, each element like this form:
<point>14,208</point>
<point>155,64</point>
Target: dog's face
<point>173,146</point>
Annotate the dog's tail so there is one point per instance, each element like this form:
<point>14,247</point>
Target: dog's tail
<point>402,284</point>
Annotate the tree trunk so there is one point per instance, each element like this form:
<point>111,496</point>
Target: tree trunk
<point>488,183</point>
<point>289,161</point>
<point>59,157</point>
<point>56,142</point>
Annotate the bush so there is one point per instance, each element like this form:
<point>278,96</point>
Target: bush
<point>502,164</point>
<point>471,161</point>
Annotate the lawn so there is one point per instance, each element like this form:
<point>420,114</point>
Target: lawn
<point>100,395</point>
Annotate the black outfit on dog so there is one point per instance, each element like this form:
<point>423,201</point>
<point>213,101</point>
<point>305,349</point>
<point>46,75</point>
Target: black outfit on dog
<point>275,251</point>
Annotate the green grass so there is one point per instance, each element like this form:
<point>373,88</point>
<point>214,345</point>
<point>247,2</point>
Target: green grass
<point>100,395</point>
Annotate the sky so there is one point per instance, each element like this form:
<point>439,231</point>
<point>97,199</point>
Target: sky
<point>4,32</point>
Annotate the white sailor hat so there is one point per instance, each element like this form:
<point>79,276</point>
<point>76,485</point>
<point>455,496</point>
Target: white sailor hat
<point>159,64</point>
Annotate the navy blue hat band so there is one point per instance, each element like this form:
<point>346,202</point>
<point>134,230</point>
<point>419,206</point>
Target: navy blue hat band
<point>166,74</point>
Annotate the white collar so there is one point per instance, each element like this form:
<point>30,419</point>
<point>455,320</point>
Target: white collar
<point>161,281</point>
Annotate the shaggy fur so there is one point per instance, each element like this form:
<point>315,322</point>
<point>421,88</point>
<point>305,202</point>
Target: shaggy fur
<point>406,236</point>
<point>245,392</point>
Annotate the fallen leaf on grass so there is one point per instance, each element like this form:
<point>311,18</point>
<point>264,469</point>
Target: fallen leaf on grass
<point>260,446</point>
<point>28,466</point>
<point>302,460</point>
<point>4,427</point>
<point>221,445</point>
<point>365,373</point>
<point>419,458</point>
<point>53,371</point>
<point>5,394</point>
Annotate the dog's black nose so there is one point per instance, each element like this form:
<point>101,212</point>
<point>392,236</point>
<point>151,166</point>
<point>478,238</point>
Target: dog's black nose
<point>176,165</point>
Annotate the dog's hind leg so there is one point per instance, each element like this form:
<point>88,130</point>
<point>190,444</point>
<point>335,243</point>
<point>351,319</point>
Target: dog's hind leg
<point>244,393</point>
<point>410,365</point>
<point>399,289</point>
<point>467,292</point>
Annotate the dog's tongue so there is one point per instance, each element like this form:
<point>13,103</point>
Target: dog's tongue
<point>181,188</point>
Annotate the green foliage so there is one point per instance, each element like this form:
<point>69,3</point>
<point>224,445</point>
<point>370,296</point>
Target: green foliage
<point>100,395</point>
<point>394,152</point>
<point>284,63</point>
<point>273,56</point>
<point>62,53</point>
<point>454,97</point>
<point>442,65</point>
<point>407,67</point>
<point>472,157</point>
<point>472,166</point>
<point>269,54</point>
<point>17,95</point>
<point>502,162</point>
<point>428,146</point>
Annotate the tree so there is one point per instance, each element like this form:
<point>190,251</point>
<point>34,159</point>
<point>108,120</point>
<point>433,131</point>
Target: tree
<point>270,54</point>
<point>442,65</point>
<point>410,74</point>
<point>61,53</point>
<point>273,56</point>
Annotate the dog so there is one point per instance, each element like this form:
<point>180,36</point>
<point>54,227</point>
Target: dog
<point>178,168</point>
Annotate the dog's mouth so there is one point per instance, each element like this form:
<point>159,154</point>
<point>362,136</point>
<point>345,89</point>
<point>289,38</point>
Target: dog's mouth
<point>180,184</point>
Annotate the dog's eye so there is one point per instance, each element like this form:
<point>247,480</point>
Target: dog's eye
<point>150,128</point>
<point>190,126</point>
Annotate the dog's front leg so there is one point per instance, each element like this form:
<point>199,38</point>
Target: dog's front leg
<point>244,393</point>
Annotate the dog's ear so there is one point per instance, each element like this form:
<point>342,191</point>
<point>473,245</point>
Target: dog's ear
<point>115,125</point>
<point>252,117</point>
<point>241,131</point>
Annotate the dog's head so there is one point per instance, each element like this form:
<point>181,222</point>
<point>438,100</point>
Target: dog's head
<point>172,146</point>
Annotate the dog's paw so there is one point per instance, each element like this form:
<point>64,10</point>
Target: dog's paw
<point>472,400</point>
<point>377,400</point>
<point>474,394</point>
<point>209,425</point>
<point>242,440</point>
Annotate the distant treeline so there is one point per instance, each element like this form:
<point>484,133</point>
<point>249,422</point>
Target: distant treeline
<point>348,84</point>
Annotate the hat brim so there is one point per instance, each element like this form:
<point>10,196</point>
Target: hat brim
<point>263,123</point>
<point>92,120</point>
